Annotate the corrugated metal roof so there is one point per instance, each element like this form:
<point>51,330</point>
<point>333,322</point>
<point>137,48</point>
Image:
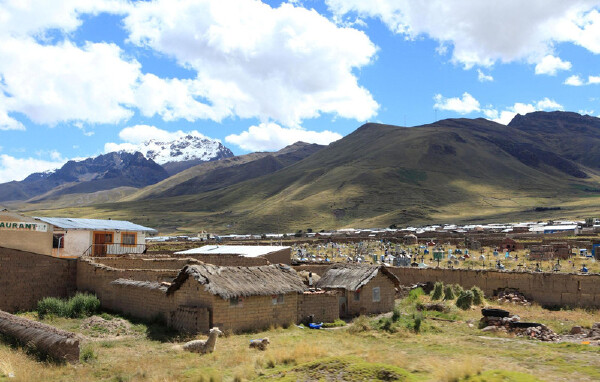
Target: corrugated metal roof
<point>95,224</point>
<point>241,250</point>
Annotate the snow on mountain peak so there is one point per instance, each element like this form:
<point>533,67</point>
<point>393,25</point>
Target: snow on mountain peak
<point>184,148</point>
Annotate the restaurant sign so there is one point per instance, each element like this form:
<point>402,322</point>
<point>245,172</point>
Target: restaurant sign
<point>23,226</point>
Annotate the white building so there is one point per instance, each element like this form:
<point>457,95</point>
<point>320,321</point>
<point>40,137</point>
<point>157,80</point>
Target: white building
<point>95,237</point>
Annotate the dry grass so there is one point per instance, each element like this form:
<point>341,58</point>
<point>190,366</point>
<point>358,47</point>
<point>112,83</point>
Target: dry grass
<point>444,351</point>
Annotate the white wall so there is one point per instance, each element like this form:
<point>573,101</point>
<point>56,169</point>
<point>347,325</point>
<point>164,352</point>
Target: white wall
<point>76,242</point>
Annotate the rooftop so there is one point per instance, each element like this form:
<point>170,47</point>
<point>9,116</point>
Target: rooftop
<point>241,250</point>
<point>95,224</point>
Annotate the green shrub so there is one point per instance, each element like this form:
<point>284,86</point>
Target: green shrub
<point>51,306</point>
<point>478,297</point>
<point>359,325</point>
<point>396,314</point>
<point>414,294</point>
<point>457,289</point>
<point>387,324</point>
<point>80,305</point>
<point>438,291</point>
<point>418,320</point>
<point>87,354</point>
<point>335,324</point>
<point>448,293</point>
<point>465,300</point>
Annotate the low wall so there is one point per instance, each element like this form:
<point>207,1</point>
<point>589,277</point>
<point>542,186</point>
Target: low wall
<point>139,263</point>
<point>59,344</point>
<point>322,306</point>
<point>96,278</point>
<point>26,278</point>
<point>557,289</point>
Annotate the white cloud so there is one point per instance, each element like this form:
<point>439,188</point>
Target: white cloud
<point>93,84</point>
<point>586,112</point>
<point>550,65</point>
<point>593,80</point>
<point>482,77</point>
<point>465,105</point>
<point>504,117</point>
<point>284,64</point>
<point>574,80</point>
<point>271,136</point>
<point>12,168</point>
<point>484,32</point>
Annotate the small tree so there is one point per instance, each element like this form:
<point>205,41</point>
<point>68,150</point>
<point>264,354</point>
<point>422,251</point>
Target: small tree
<point>448,293</point>
<point>465,300</point>
<point>438,291</point>
<point>456,288</point>
<point>478,296</point>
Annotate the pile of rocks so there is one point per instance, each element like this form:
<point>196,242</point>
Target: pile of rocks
<point>512,296</point>
<point>499,320</point>
<point>579,334</point>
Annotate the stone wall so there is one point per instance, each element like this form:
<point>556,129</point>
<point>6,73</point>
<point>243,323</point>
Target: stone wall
<point>553,289</point>
<point>26,278</point>
<point>323,306</point>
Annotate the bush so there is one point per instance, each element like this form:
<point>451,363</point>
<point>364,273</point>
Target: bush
<point>51,306</point>
<point>457,289</point>
<point>448,293</point>
<point>335,324</point>
<point>478,296</point>
<point>465,300</point>
<point>387,324</point>
<point>396,314</point>
<point>359,325</point>
<point>417,324</point>
<point>414,294</point>
<point>80,305</point>
<point>438,291</point>
<point>87,354</point>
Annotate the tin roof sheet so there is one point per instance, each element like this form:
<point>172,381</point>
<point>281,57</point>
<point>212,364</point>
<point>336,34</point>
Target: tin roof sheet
<point>95,224</point>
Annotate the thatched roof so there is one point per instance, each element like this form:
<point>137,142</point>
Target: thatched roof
<point>352,277</point>
<point>228,282</point>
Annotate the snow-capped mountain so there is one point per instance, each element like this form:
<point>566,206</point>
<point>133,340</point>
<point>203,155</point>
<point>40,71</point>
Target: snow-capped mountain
<point>185,148</point>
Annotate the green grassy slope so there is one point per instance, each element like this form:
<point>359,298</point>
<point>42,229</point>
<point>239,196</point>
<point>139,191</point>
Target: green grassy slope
<point>451,171</point>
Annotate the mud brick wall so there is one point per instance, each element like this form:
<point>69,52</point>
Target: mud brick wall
<point>254,313</point>
<point>138,263</point>
<point>557,289</point>
<point>323,306</point>
<point>280,257</point>
<point>190,319</point>
<point>138,301</point>
<point>366,305</point>
<point>26,278</point>
<point>96,278</point>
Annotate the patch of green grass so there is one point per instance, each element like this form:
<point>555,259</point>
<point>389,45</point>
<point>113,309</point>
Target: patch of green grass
<point>347,368</point>
<point>80,305</point>
<point>87,354</point>
<point>501,376</point>
<point>335,324</point>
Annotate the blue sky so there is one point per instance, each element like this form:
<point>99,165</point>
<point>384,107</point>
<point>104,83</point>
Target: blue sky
<point>78,79</point>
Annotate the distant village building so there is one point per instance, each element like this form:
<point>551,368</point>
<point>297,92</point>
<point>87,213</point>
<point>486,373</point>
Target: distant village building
<point>410,239</point>
<point>70,237</point>
<point>363,289</point>
<point>550,251</point>
<point>510,245</point>
<point>225,254</point>
<point>572,229</point>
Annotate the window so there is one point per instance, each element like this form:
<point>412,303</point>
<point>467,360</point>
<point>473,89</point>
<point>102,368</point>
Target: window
<point>235,301</point>
<point>376,294</point>
<point>58,240</point>
<point>128,238</point>
<point>278,299</point>
<point>357,295</point>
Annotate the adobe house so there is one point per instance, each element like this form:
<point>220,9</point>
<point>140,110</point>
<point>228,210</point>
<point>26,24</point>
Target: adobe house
<point>362,289</point>
<point>510,245</point>
<point>240,298</point>
<point>223,254</point>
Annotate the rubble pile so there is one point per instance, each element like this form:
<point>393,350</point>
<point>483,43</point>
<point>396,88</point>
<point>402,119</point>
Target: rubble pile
<point>512,296</point>
<point>499,320</point>
<point>579,334</point>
